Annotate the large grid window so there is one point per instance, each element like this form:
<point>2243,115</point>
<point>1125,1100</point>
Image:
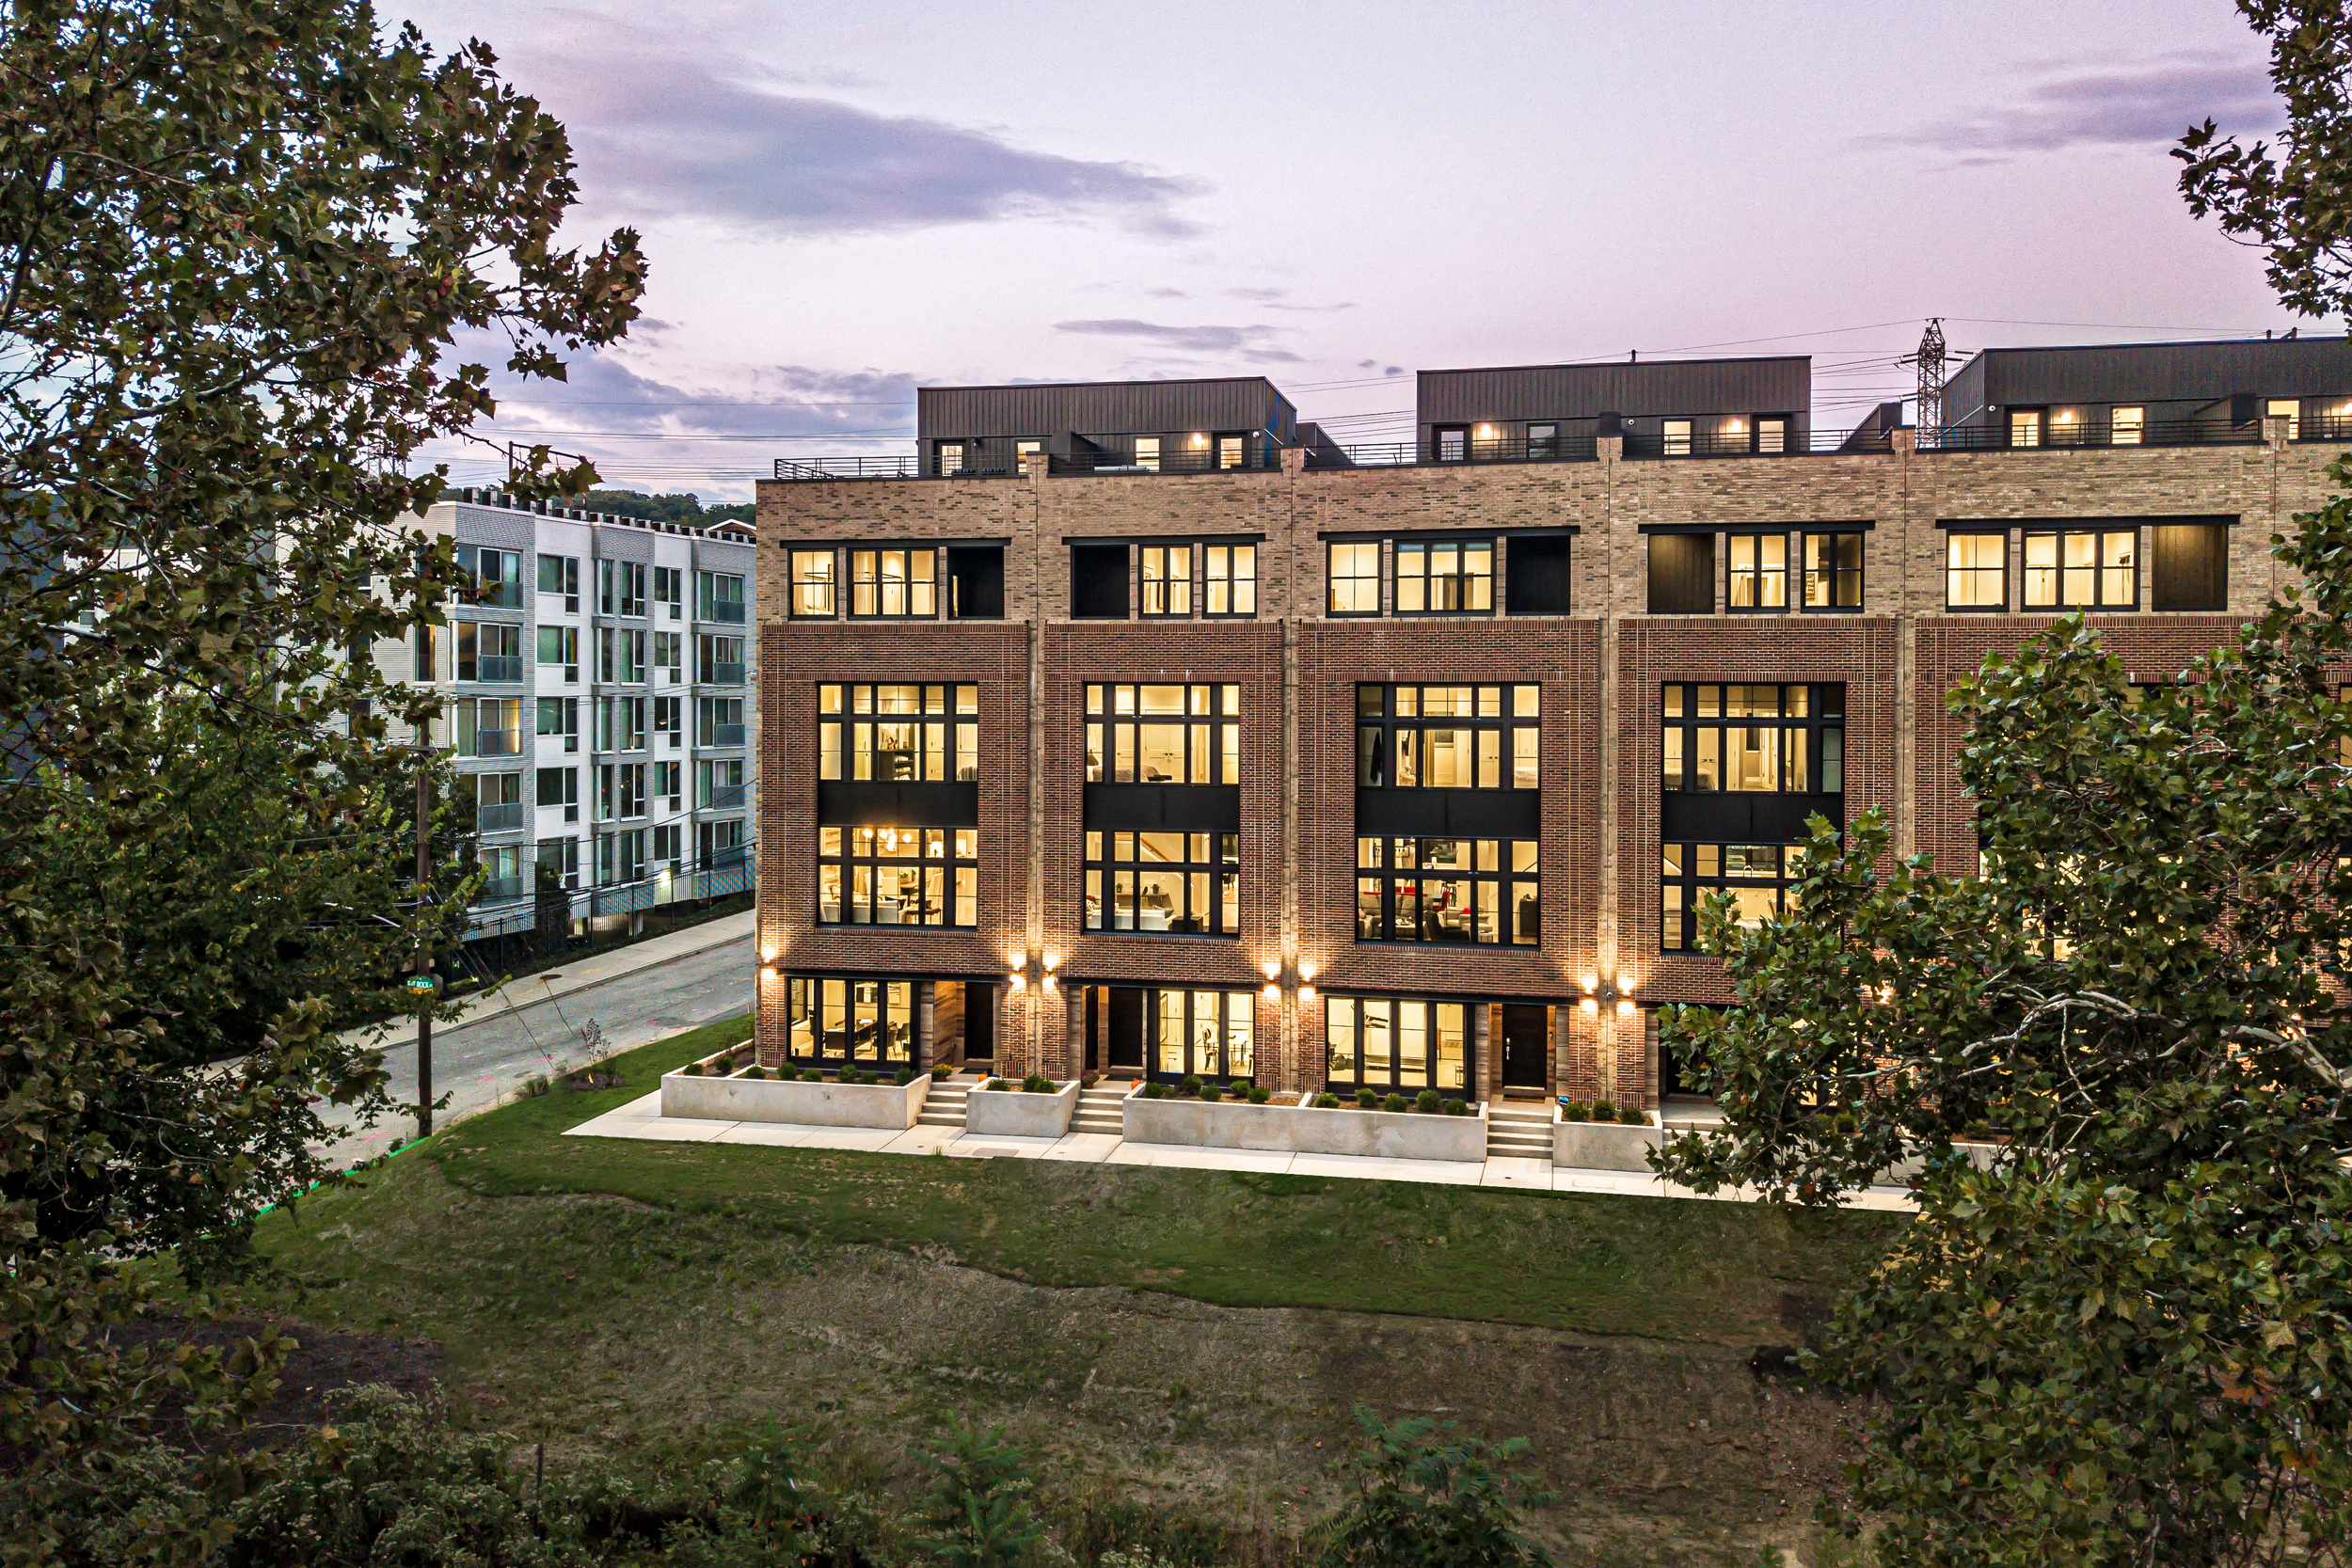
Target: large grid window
<point>1769,738</point>
<point>621,587</point>
<point>850,1020</point>
<point>1760,571</point>
<point>1355,578</point>
<point>1758,876</point>
<point>1396,1042</point>
<point>1445,578</point>
<point>2082,568</point>
<point>1207,1033</point>
<point>1833,571</point>
<point>873,875</point>
<point>1164,735</point>
<point>1231,572</point>
<point>1476,889</point>
<point>1181,884</point>
<point>894,584</point>
<point>1976,571</point>
<point>898,733</point>
<point>1448,737</point>
<point>1166,579</point>
<point>812,584</point>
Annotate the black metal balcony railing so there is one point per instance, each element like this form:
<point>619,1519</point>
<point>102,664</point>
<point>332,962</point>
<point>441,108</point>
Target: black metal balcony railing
<point>2324,427</point>
<point>906,466</point>
<point>723,674</point>
<point>723,734</point>
<point>724,796</point>
<point>499,820</point>
<point>1259,458</point>
<point>502,669</point>
<point>2093,432</point>
<point>729,611</point>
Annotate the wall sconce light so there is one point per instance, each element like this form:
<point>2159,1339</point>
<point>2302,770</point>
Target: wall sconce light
<point>1588,1007</point>
<point>1020,970</point>
<point>1485,433</point>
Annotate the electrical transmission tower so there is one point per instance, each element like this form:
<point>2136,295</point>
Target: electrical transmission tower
<point>1931,361</point>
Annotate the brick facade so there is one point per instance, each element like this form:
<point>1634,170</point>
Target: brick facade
<point>1599,670</point>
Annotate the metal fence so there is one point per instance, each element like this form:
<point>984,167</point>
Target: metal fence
<point>2090,433</point>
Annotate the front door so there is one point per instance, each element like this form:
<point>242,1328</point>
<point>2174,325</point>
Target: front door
<point>979,1022</point>
<point>1526,1047</point>
<point>1126,1041</point>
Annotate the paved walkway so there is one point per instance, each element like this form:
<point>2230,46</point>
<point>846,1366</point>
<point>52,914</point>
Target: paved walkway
<point>642,1119</point>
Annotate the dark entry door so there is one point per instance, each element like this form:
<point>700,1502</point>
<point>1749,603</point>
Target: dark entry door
<point>979,1022</point>
<point>1127,1042</point>
<point>1526,1047</point>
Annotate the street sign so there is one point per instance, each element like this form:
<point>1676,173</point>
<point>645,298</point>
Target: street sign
<point>423,985</point>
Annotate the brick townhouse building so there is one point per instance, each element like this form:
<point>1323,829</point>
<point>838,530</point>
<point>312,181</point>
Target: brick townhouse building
<point>1142,727</point>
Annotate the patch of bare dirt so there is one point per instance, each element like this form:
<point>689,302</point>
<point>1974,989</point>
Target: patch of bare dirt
<point>321,1362</point>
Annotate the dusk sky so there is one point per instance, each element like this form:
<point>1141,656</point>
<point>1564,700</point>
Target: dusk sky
<point>840,204</point>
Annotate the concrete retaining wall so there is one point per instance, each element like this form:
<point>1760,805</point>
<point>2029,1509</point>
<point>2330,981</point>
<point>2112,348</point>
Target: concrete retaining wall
<point>1016,1114</point>
<point>804,1103</point>
<point>1305,1129</point>
<point>1604,1146</point>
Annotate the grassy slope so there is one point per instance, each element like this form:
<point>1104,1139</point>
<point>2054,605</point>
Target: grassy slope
<point>1714,1273</point>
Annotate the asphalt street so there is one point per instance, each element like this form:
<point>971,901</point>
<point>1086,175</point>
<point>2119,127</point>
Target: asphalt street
<point>480,1060</point>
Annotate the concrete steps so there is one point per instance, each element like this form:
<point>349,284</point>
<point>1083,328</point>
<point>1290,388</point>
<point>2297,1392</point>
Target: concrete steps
<point>1098,1110</point>
<point>1518,1132</point>
<point>944,1105</point>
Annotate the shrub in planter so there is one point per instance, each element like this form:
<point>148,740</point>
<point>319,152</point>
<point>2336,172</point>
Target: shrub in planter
<point>1000,1085</point>
<point>1428,1102</point>
<point>691,1069</point>
<point>1457,1108</point>
<point>1037,1084</point>
<point>1328,1102</point>
<point>904,1076</point>
<point>1392,1102</point>
<point>1191,1083</point>
<point>1633,1116</point>
<point>1258,1095</point>
<point>755,1070</point>
<point>1155,1091</point>
<point>1576,1110</point>
<point>1367,1098</point>
<point>1210,1093</point>
<point>1604,1110</point>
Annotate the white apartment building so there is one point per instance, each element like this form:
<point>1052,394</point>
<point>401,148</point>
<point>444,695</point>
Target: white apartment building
<point>599,708</point>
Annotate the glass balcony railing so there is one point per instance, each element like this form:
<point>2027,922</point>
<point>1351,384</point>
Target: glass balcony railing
<point>723,610</point>
<point>499,820</point>
<point>723,673</point>
<point>723,734</point>
<point>724,796</point>
<point>504,669</point>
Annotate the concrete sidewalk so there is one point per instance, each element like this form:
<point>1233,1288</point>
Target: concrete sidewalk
<point>531,991</point>
<point>642,1119</point>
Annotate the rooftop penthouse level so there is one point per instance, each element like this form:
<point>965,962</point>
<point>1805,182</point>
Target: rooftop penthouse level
<point>2148,394</point>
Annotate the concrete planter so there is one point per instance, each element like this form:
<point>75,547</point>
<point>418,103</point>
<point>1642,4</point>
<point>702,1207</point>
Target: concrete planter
<point>1902,1171</point>
<point>1604,1145</point>
<point>1305,1129</point>
<point>803,1103</point>
<point>1391,1135</point>
<point>1017,1114</point>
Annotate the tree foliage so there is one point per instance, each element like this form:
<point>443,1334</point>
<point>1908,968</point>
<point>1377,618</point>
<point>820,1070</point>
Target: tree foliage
<point>977,1512</point>
<point>2127,1336</point>
<point>2294,197</point>
<point>1428,1498</point>
<point>239,243</point>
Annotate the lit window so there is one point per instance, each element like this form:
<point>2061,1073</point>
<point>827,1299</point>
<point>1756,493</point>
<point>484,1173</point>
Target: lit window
<point>902,733</point>
<point>1445,578</point>
<point>1771,435</point>
<point>1833,571</point>
<point>893,583</point>
<point>1395,1043</point>
<point>1760,571</point>
<point>1976,571</point>
<point>1481,890</point>
<point>2025,427</point>
<point>1356,579</point>
<point>1758,876</point>
<point>894,876</point>
<point>2127,427</point>
<point>1163,734</point>
<point>2082,569</point>
<point>2290,410</point>
<point>1233,579</point>
<point>1448,737</point>
<point>1148,452</point>
<point>847,1021</point>
<point>1677,438</point>
<point>1181,884</point>
<point>1166,579</point>
<point>1770,739</point>
<point>1204,1034</point>
<point>812,583</point>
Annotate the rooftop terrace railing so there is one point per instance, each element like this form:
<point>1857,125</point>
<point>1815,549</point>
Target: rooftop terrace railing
<point>2093,432</point>
<point>905,466</point>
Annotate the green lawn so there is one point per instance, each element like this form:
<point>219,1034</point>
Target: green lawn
<point>1721,1273</point>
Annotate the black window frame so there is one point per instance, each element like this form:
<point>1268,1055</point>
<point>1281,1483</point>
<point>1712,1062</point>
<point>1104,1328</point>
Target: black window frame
<point>1175,591</point>
<point>844,849</point>
<point>1221,715</point>
<point>1427,579</point>
<point>1684,718</point>
<point>1690,872</point>
<point>1332,579</point>
<point>1386,865</point>
<point>2029,532</point>
<point>840,719</point>
<point>1440,437</point>
<point>872,590</point>
<point>1384,712</point>
<point>1356,1008</point>
<point>1237,584</point>
<point>2000,607</point>
<point>1539,567</point>
<point>795,586</point>
<point>1761,574</point>
<point>1220,1061</point>
<point>895,1040</point>
<point>1090,580</point>
<point>1544,448</point>
<point>976,572</point>
<point>1207,873</point>
<point>1838,540</point>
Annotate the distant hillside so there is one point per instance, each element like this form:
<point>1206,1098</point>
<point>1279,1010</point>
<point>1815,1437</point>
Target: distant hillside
<point>685,508</point>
